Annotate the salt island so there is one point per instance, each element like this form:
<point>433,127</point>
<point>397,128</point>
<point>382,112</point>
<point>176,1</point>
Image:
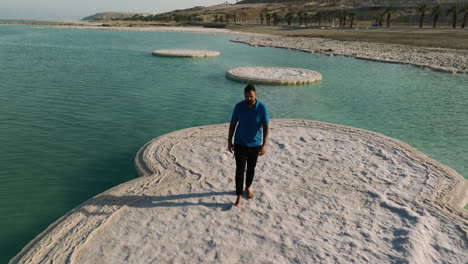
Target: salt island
<point>324,193</point>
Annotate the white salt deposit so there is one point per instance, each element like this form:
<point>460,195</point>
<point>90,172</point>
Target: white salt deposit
<point>439,59</point>
<point>323,194</point>
<point>186,53</point>
<point>273,75</point>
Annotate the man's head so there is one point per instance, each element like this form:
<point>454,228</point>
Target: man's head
<point>250,94</point>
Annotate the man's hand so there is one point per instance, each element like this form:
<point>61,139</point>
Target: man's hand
<point>232,127</point>
<point>263,150</point>
<point>230,147</point>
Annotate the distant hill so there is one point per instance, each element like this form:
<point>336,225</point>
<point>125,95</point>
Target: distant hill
<point>253,11</point>
<point>113,15</point>
<point>352,2</point>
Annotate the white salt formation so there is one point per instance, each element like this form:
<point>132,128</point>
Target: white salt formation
<point>324,193</point>
<point>273,75</point>
<point>186,53</point>
<point>439,59</point>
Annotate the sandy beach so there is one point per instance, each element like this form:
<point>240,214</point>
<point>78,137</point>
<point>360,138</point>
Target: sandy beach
<point>324,193</point>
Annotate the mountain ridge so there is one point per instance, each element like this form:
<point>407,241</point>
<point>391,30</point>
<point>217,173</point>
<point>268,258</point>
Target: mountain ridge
<point>113,15</point>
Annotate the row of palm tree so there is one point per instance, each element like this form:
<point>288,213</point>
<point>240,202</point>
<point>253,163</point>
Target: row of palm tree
<point>225,18</point>
<point>273,19</point>
<point>388,13</point>
<point>437,11</point>
<point>303,18</point>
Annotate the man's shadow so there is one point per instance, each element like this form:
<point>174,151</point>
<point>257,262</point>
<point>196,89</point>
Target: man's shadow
<point>178,200</point>
<point>144,201</point>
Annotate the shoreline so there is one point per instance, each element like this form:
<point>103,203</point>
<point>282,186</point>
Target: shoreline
<point>436,59</point>
<point>192,29</point>
<point>184,184</point>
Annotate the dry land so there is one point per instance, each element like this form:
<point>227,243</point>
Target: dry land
<point>438,38</point>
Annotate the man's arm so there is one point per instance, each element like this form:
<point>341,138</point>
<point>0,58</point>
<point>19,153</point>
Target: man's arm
<point>265,139</point>
<point>232,128</point>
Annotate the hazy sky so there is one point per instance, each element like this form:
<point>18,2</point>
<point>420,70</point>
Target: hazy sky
<point>77,9</point>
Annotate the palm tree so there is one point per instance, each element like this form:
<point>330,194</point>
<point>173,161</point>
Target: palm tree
<point>464,9</point>
<point>380,19</point>
<point>227,16</point>
<point>275,17</point>
<point>454,11</point>
<point>351,16</point>
<point>319,16</point>
<point>300,14</point>
<point>422,9</point>
<point>268,18</point>
<point>344,13</point>
<point>389,11</point>
<point>435,12</point>
<point>262,18</point>
<point>289,17</point>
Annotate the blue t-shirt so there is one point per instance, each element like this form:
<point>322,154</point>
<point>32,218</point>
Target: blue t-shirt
<point>250,123</point>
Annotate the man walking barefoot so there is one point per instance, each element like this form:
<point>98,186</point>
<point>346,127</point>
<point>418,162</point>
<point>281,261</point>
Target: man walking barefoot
<point>250,117</point>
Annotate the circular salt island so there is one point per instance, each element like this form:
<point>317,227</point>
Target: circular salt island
<point>186,53</point>
<point>322,193</point>
<point>274,75</point>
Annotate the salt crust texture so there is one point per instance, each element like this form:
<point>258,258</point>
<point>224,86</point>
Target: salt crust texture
<point>324,194</point>
<point>186,53</point>
<point>438,59</point>
<point>274,75</point>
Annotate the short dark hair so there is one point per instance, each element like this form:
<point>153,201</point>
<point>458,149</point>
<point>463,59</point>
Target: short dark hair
<point>250,88</point>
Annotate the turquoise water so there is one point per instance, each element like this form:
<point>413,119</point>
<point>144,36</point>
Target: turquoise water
<point>76,105</point>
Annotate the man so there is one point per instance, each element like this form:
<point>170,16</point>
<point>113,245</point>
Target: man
<point>251,119</point>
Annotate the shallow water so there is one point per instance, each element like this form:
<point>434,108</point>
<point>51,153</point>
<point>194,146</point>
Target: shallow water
<point>76,105</point>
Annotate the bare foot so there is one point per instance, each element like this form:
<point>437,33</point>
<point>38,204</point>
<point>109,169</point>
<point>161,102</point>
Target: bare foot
<point>249,193</point>
<point>238,201</point>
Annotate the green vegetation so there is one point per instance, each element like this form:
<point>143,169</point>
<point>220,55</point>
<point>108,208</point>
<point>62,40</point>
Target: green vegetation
<point>422,9</point>
<point>351,16</point>
<point>389,11</point>
<point>464,10</point>
<point>454,11</point>
<point>435,12</point>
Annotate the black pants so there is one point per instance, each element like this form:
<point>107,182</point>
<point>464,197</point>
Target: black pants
<point>245,155</point>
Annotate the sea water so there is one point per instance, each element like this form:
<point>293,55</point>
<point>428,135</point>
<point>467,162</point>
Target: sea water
<point>76,105</point>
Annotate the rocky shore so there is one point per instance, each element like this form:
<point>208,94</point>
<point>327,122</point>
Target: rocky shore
<point>439,59</point>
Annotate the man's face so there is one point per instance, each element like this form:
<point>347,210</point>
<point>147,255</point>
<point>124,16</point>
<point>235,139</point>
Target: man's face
<point>250,97</point>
